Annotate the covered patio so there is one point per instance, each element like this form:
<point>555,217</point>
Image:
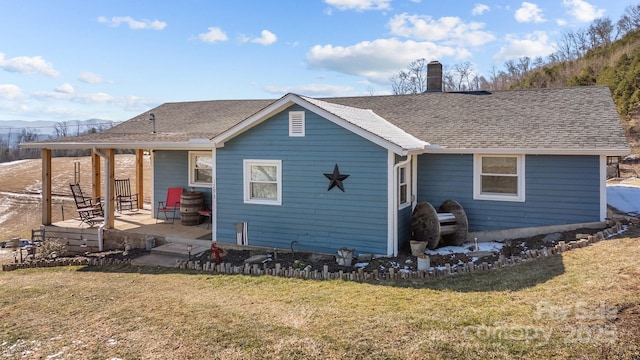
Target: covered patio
<point>134,227</point>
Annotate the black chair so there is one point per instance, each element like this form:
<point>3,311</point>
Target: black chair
<point>125,200</point>
<point>89,209</point>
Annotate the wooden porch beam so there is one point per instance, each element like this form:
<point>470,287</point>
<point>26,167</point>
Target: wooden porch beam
<point>110,188</point>
<point>140,177</point>
<point>46,186</point>
<point>95,175</point>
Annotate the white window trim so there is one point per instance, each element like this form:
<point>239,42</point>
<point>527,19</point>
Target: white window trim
<point>407,183</point>
<point>296,129</point>
<point>192,168</point>
<point>477,172</point>
<point>246,165</point>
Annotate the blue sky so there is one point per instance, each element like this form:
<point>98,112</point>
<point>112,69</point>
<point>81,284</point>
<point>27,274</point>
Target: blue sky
<point>76,59</point>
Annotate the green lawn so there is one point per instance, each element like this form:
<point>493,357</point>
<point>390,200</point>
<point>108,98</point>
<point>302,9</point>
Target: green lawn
<point>583,304</point>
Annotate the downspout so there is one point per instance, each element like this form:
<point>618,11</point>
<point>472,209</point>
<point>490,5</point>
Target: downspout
<point>101,237</point>
<point>395,201</point>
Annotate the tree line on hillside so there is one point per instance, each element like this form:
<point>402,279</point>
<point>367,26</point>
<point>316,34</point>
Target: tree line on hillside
<point>11,151</point>
<point>604,53</point>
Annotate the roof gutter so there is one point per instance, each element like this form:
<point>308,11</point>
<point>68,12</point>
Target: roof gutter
<point>437,149</point>
<point>194,144</point>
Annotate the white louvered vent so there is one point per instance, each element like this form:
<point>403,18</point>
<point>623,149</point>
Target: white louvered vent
<point>296,123</point>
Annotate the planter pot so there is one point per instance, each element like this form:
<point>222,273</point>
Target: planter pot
<point>417,247</point>
<point>423,263</point>
<point>344,257</point>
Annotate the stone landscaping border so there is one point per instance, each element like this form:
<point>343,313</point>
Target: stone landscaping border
<point>355,275</point>
<point>400,275</point>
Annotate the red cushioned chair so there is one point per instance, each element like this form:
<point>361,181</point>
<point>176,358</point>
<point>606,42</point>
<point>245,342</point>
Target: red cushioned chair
<point>170,205</point>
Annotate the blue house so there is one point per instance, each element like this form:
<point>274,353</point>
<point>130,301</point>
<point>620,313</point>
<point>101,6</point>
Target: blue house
<point>329,173</point>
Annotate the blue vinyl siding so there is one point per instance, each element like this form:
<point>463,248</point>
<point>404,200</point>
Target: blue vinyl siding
<point>171,169</point>
<point>559,190</point>
<point>317,219</point>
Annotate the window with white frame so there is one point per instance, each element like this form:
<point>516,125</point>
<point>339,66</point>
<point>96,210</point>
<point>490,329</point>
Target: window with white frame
<point>200,168</point>
<point>498,177</point>
<point>263,182</point>
<point>404,195</point>
<point>296,123</point>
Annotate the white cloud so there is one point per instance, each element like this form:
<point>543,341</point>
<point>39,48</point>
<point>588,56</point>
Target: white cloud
<point>133,23</point>
<point>28,65</point>
<point>136,103</point>
<point>451,30</point>
<point>561,22</point>
<point>90,78</point>
<point>532,45</point>
<point>266,38</point>
<point>529,12</point>
<point>582,10</point>
<point>65,88</point>
<point>312,90</point>
<point>480,9</point>
<point>360,5</point>
<point>10,92</point>
<point>377,60</point>
<point>61,94</point>
<point>214,35</point>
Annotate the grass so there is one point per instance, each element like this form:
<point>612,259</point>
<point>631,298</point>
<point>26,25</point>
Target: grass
<point>583,304</point>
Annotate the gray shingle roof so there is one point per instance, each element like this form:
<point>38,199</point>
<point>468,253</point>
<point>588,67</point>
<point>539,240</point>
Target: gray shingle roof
<point>569,118</point>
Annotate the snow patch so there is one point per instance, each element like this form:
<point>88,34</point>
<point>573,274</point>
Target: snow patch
<point>625,198</point>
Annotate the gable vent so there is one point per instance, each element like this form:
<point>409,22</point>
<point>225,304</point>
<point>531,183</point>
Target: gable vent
<point>296,123</point>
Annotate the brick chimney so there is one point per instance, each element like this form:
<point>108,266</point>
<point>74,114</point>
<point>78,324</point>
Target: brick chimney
<point>434,77</point>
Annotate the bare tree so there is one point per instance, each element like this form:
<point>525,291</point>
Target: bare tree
<point>62,129</point>
<point>600,32</point>
<point>413,80</point>
<point>463,71</point>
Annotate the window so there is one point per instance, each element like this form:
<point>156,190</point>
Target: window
<point>263,182</point>
<point>200,168</point>
<point>296,123</point>
<point>498,177</point>
<point>404,198</point>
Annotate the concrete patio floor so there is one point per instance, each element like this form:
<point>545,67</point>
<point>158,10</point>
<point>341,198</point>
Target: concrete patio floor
<point>142,222</point>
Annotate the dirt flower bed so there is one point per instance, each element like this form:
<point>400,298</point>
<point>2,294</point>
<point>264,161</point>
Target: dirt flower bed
<point>404,260</point>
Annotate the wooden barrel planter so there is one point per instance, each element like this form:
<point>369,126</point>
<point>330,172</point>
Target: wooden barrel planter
<point>190,204</point>
<point>448,226</point>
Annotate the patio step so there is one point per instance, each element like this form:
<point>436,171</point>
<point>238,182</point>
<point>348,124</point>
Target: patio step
<point>179,250</point>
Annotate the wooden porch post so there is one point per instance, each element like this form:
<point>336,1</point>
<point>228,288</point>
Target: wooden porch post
<point>110,188</point>
<point>95,175</point>
<point>140,177</point>
<point>46,186</point>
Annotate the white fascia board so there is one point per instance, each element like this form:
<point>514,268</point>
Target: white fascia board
<point>525,151</point>
<point>291,99</point>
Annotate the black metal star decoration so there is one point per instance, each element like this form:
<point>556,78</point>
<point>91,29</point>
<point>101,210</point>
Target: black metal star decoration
<point>335,179</point>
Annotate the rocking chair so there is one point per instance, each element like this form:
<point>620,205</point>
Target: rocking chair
<point>89,210</point>
<point>125,200</point>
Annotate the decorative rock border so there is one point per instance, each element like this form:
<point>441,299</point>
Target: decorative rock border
<point>355,275</point>
<point>76,261</point>
<point>399,275</point>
